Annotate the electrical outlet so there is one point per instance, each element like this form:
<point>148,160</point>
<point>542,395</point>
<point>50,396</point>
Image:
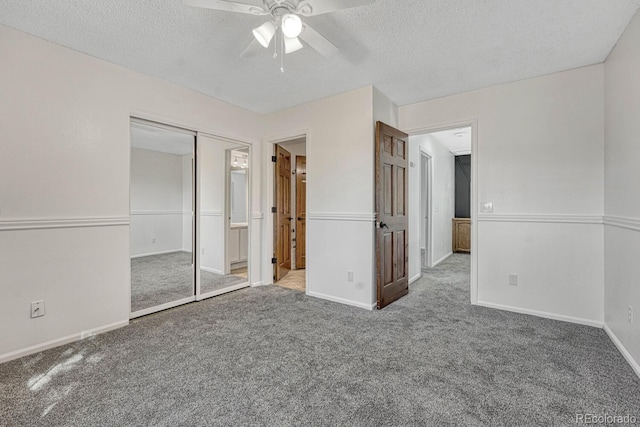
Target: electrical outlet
<point>153,240</point>
<point>37,308</point>
<point>349,276</point>
<point>630,314</point>
<point>513,279</point>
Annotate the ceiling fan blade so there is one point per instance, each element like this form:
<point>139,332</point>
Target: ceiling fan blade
<point>318,42</point>
<point>229,6</point>
<point>318,7</point>
<point>252,49</point>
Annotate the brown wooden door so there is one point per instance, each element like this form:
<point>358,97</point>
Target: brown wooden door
<point>282,238</point>
<point>391,209</point>
<point>301,211</point>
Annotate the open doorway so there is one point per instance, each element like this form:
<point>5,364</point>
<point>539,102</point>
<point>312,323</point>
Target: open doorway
<point>290,183</point>
<point>443,212</point>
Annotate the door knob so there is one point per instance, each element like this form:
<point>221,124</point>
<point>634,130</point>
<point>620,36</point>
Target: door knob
<point>300,219</point>
<point>383,225</point>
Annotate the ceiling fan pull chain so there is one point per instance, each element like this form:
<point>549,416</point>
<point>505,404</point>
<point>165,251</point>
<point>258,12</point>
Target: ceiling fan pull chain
<point>275,46</point>
<point>282,54</point>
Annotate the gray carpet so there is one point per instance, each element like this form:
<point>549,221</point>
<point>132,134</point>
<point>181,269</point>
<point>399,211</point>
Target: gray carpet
<point>159,279</point>
<point>275,357</point>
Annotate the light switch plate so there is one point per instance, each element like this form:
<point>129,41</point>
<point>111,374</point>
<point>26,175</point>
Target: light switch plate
<point>486,207</point>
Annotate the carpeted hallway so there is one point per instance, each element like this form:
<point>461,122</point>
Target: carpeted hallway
<point>272,356</point>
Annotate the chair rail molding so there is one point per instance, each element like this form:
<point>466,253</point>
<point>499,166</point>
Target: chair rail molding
<point>341,216</point>
<point>543,218</point>
<point>158,212</point>
<point>211,213</point>
<point>53,223</point>
<point>628,223</point>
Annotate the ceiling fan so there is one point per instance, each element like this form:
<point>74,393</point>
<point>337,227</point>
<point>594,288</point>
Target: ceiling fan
<point>285,24</point>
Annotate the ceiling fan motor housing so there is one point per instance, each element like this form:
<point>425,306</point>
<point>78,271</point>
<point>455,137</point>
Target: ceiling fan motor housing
<point>277,8</point>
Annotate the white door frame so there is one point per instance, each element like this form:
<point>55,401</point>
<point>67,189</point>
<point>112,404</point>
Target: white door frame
<point>473,124</point>
<point>269,189</point>
<point>426,173</point>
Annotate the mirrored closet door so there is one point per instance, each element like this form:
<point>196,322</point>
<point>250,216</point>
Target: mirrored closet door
<point>224,212</point>
<point>162,224</point>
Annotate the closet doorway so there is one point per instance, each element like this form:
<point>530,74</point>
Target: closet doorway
<point>189,210</point>
<point>290,216</point>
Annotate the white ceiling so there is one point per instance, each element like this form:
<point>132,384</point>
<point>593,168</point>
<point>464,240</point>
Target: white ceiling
<point>458,140</point>
<point>412,50</point>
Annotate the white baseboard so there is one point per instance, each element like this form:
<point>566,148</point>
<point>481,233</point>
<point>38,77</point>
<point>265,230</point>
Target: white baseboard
<point>256,284</point>
<point>172,251</point>
<point>341,300</point>
<point>60,341</point>
<point>211,270</point>
<point>546,315</point>
<point>634,365</point>
<point>416,277</point>
<point>441,259</point>
<point>239,264</point>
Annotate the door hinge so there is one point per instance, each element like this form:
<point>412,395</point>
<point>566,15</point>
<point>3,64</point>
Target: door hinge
<point>274,159</point>
<point>274,210</point>
<point>274,260</point>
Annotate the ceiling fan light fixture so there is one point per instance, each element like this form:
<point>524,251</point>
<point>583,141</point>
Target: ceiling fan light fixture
<point>291,44</point>
<point>264,33</point>
<point>291,25</point>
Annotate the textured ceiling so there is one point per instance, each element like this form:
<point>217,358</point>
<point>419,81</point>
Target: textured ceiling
<point>458,140</point>
<point>412,50</point>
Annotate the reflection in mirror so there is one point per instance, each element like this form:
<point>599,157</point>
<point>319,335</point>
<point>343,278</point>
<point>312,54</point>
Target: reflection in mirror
<point>161,231</point>
<point>238,192</point>
<point>224,208</point>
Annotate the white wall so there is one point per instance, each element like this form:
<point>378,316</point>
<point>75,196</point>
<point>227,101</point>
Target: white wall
<point>339,193</point>
<point>384,110</point>
<point>539,160</point>
<point>238,196</point>
<point>442,200</point>
<point>622,203</point>
<point>64,198</point>
<point>156,202</point>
